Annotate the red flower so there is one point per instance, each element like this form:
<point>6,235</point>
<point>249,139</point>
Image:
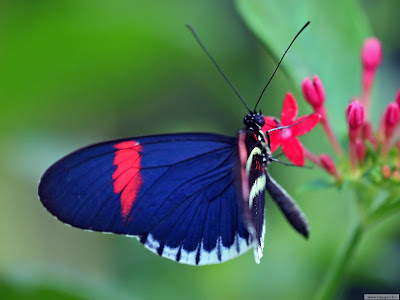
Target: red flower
<point>287,138</point>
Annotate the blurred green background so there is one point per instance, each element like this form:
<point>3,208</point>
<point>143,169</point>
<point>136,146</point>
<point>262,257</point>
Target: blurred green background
<point>79,72</point>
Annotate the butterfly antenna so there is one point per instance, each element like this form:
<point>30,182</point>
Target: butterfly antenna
<point>262,93</point>
<point>215,63</point>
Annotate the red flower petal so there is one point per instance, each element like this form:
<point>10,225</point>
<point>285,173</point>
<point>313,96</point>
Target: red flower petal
<point>305,124</point>
<point>294,151</point>
<point>275,138</point>
<point>289,110</point>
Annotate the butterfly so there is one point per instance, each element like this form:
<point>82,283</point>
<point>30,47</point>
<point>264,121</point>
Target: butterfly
<point>196,198</point>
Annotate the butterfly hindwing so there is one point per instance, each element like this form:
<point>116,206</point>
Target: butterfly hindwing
<point>253,187</point>
<point>288,206</point>
<point>177,193</point>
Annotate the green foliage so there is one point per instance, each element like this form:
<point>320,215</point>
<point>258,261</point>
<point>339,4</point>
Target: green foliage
<point>27,283</point>
<point>329,47</point>
<point>40,291</point>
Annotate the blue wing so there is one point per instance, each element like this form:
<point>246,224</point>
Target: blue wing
<point>178,193</point>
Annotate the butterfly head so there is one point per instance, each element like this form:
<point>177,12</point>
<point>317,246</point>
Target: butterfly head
<point>254,121</point>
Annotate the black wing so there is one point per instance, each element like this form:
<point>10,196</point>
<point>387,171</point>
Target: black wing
<point>253,180</point>
<point>288,206</point>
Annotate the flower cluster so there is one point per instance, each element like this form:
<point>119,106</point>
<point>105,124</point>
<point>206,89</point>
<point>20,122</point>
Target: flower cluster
<point>374,154</point>
<point>370,167</point>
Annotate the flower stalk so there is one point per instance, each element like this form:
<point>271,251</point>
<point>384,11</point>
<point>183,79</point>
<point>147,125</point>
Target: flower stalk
<point>312,157</point>
<point>362,219</point>
<point>367,134</point>
<point>340,264</point>
<point>371,57</point>
<point>329,165</point>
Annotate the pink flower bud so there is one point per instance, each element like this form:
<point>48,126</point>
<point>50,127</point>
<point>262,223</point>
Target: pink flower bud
<point>371,54</point>
<point>386,172</point>
<point>355,119</point>
<point>360,150</point>
<point>367,133</point>
<point>398,97</point>
<point>391,118</point>
<point>313,91</point>
<point>355,114</point>
<point>371,57</point>
<point>392,114</point>
<point>328,164</point>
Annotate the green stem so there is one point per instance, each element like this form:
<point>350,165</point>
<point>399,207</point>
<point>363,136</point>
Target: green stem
<point>339,265</point>
<point>384,212</point>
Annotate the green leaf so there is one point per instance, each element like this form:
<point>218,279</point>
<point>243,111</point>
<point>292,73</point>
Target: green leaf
<point>59,283</point>
<point>10,291</point>
<point>329,47</point>
<point>84,58</point>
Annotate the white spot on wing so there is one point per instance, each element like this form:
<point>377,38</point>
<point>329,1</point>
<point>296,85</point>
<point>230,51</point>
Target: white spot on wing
<point>151,243</point>
<point>188,257</point>
<point>170,252</point>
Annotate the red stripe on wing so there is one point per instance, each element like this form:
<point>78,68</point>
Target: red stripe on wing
<point>126,177</point>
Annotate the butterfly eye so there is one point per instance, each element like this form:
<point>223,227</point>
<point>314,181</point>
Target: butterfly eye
<point>259,119</point>
<point>248,120</point>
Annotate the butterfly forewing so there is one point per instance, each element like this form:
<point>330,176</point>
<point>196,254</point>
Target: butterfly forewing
<point>177,193</point>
